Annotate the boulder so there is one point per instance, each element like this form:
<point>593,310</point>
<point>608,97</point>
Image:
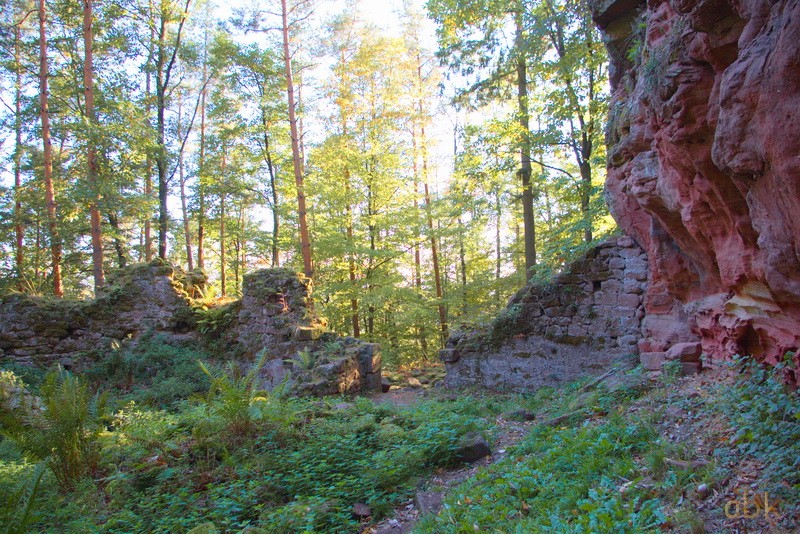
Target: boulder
<point>472,447</point>
<point>685,352</point>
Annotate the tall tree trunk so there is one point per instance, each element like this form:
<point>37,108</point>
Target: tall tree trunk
<point>420,327</point>
<point>187,232</point>
<point>164,67</point>
<point>91,152</point>
<point>201,196</point>
<point>19,229</point>
<point>37,250</point>
<point>497,244</point>
<point>586,192</point>
<point>305,243</point>
<point>351,264</point>
<point>273,184</point>
<point>148,179</point>
<point>525,171</point>
<point>240,249</point>
<point>437,278</point>
<point>222,273</point>
<point>161,155</point>
<point>119,242</point>
<point>462,255</point>
<point>55,238</point>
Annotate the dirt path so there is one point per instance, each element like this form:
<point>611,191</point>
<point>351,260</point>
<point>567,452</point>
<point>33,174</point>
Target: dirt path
<point>431,492</point>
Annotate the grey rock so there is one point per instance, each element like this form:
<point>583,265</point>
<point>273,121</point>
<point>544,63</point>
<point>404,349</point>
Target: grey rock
<point>429,502</point>
<point>473,447</point>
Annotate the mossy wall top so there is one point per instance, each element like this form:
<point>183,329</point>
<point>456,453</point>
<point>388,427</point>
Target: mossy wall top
<point>152,297</point>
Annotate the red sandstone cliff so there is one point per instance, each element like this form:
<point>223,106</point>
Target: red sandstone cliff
<point>704,167</point>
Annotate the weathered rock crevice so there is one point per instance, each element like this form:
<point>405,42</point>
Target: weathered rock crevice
<point>704,137</point>
<point>276,314</point>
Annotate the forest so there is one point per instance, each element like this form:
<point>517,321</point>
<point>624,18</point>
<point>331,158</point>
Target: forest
<point>415,172</point>
<point>278,266</point>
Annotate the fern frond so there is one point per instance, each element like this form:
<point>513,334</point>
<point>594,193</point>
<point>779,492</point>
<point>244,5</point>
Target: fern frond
<point>23,501</point>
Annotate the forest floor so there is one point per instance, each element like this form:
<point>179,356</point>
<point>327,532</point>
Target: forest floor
<point>624,452</point>
<point>688,416</point>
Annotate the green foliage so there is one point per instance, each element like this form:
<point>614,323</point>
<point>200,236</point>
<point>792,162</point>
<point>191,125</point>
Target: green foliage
<point>671,371</point>
<point>231,394</point>
<point>657,59</point>
<point>213,320</point>
<point>766,417</point>
<point>63,429</point>
<point>302,465</point>
<point>305,360</point>
<point>559,480</point>
<point>17,514</point>
<point>507,324</point>
<point>154,371</point>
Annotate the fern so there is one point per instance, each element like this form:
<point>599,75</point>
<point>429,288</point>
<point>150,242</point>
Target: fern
<point>63,425</point>
<point>20,513</point>
<point>231,394</point>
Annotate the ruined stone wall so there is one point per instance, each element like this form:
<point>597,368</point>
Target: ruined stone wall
<point>276,314</point>
<point>583,321</point>
<point>703,144</point>
<point>145,298</point>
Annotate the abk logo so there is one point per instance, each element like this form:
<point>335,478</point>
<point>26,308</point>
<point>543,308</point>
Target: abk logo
<point>750,508</point>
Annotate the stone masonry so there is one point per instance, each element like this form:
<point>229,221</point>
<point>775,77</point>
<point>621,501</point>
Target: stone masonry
<point>583,321</point>
<point>275,314</point>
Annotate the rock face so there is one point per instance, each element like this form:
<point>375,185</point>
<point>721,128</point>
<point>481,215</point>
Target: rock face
<point>704,167</point>
<point>583,321</point>
<point>276,314</point>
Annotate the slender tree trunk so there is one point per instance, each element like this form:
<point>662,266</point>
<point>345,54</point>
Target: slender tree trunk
<point>305,243</point>
<point>586,191</point>
<point>463,260</point>
<point>351,261</point>
<point>161,156</point>
<point>119,243</point>
<point>420,327</point>
<point>37,254</point>
<point>91,152</point>
<point>55,238</point>
<point>273,184</point>
<point>428,210</point>
<point>19,229</point>
<point>240,249</point>
<point>163,72</point>
<point>437,278</point>
<point>148,179</point>
<point>187,232</point>
<point>497,245</point>
<point>222,273</point>
<point>201,196</point>
<point>525,171</point>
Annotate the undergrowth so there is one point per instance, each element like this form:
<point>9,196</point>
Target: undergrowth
<point>240,457</point>
<point>576,478</point>
<point>155,371</point>
<point>766,417</point>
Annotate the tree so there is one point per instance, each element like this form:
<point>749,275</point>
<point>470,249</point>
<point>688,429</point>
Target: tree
<point>91,149</point>
<point>471,40</point>
<point>55,238</point>
<point>166,56</point>
<point>297,162</point>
